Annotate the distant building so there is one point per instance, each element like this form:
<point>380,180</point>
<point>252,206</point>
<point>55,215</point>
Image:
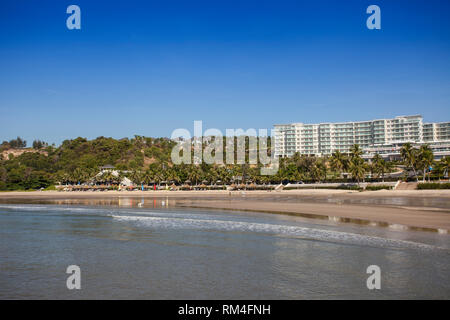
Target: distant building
<point>111,169</point>
<point>383,136</point>
<point>433,132</point>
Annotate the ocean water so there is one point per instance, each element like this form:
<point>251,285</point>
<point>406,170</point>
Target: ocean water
<point>162,253</point>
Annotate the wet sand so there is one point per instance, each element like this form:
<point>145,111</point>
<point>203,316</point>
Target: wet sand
<point>413,209</point>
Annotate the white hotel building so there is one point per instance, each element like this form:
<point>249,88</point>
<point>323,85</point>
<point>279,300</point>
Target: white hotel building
<point>383,136</point>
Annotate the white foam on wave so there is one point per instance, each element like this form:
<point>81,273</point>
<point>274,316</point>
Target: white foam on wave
<point>108,211</point>
<point>23,207</point>
<point>53,208</point>
<point>178,214</point>
<point>284,230</point>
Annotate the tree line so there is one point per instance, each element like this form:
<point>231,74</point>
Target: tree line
<point>146,160</point>
<point>20,143</point>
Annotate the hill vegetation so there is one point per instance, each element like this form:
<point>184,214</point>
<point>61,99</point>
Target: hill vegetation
<point>146,160</point>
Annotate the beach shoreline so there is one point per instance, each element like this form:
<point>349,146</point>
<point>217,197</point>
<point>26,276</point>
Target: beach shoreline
<point>377,208</point>
<point>403,193</point>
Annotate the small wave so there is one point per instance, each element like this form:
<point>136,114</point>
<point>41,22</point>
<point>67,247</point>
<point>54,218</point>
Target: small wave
<point>182,220</point>
<point>293,231</point>
<point>54,208</point>
<point>109,211</point>
<point>98,211</point>
<point>23,207</point>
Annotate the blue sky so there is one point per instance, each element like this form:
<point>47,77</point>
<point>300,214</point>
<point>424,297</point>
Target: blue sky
<point>149,67</point>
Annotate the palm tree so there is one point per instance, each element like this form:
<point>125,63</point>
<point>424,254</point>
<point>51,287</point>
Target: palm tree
<point>296,157</point>
<point>426,159</point>
<point>148,176</point>
<point>375,165</point>
<point>305,166</point>
<point>438,168</point>
<point>89,174</point>
<point>159,176</point>
<point>376,159</point>
<point>409,155</point>
<point>212,175</point>
<point>355,151</point>
<point>381,166</point>
<point>223,174</point>
<point>319,170</point>
<point>263,179</point>
<point>445,163</point>
<point>338,161</point>
<point>137,177</point>
<point>357,168</point>
<point>62,177</point>
<point>172,175</point>
<point>78,175</point>
<point>194,174</point>
<point>106,177</point>
<point>118,177</point>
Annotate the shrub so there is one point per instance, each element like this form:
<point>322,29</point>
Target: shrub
<point>431,186</point>
<point>340,187</point>
<point>378,187</point>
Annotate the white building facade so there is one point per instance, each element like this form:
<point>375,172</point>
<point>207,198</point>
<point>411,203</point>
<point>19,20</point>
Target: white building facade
<point>383,136</point>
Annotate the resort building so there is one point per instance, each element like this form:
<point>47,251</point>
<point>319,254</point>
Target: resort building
<point>383,136</point>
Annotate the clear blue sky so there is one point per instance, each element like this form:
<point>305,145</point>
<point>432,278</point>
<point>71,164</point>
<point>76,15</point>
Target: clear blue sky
<point>149,67</point>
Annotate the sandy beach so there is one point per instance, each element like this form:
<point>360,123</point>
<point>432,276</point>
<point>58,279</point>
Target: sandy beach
<point>414,209</point>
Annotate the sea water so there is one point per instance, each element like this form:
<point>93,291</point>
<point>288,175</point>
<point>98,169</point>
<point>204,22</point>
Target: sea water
<point>162,253</point>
